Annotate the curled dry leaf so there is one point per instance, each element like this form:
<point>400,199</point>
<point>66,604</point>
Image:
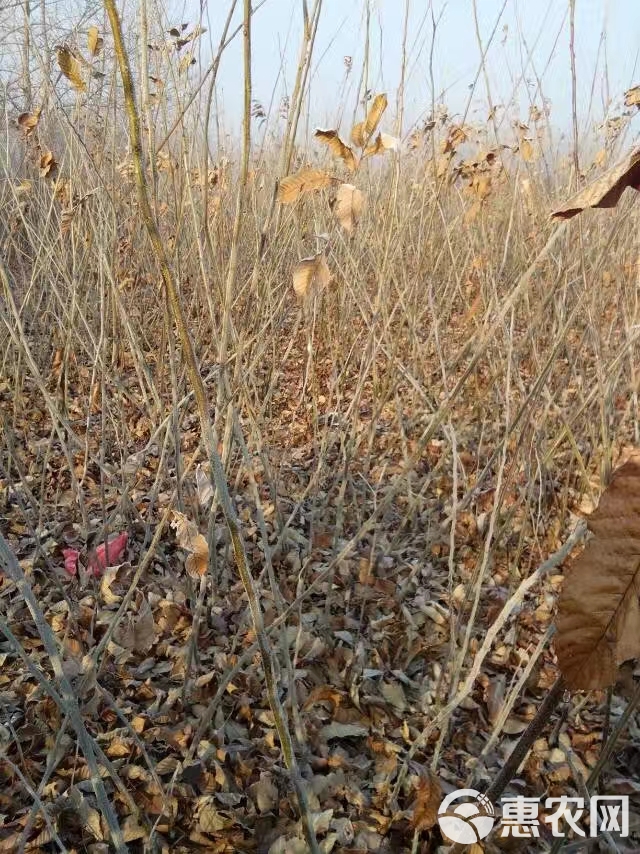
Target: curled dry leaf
<point>94,42</point>
<point>305,181</point>
<point>605,192</point>
<point>338,147</point>
<point>526,149</point>
<point>457,136</point>
<point>191,540</point>
<point>311,275</point>
<point>186,62</point>
<point>27,122</point>
<point>632,97</point>
<point>383,142</point>
<point>598,622</point>
<point>203,486</point>
<point>363,131</point>
<point>348,206</point>
<point>70,67</point>
<point>181,41</point>
<point>48,164</point>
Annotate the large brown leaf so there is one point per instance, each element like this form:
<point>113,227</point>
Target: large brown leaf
<point>362,132</point>
<point>305,181</point>
<point>338,147</point>
<point>311,275</point>
<point>348,206</point>
<point>605,192</point>
<point>70,67</point>
<point>598,622</point>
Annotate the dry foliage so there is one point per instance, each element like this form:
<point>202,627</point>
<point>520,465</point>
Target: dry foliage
<point>402,463</point>
<point>70,67</point>
<point>94,41</point>
<point>598,623</point>
<point>362,132</point>
<point>311,275</point>
<point>307,180</point>
<point>338,147</point>
<point>348,206</point>
<point>605,192</point>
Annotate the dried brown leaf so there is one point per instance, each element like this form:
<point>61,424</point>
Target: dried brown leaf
<point>456,136</point>
<point>598,622</point>
<point>605,192</point>
<point>632,97</point>
<point>362,132</point>
<point>191,540</point>
<point>305,181</point>
<point>428,798</point>
<point>141,631</point>
<point>264,793</point>
<point>132,830</point>
<point>348,206</point>
<point>70,67</point>
<point>186,62</point>
<point>181,41</point>
<point>48,164</point>
<point>338,147</point>
<point>383,142</point>
<point>27,122</point>
<point>526,149</point>
<point>311,275</point>
<point>94,41</point>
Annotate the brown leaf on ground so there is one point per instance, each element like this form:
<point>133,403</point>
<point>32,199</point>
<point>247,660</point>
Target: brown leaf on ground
<point>598,623</point>
<point>428,798</point>
<point>606,191</point>
<point>191,540</point>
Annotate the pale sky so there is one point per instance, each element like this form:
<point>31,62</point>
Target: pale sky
<point>607,47</point>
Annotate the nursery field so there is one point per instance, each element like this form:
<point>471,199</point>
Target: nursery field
<point>319,448</point>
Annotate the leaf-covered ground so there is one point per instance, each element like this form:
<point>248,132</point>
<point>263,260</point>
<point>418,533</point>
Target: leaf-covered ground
<point>192,759</point>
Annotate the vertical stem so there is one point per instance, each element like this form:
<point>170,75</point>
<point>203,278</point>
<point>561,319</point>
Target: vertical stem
<point>403,71</point>
<point>574,102</point>
<point>26,53</point>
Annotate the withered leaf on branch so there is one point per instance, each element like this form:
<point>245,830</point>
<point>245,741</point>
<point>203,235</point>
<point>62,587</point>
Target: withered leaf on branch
<point>70,67</point>
<point>362,132</point>
<point>338,147</point>
<point>311,275</point>
<point>305,181</point>
<point>605,192</point>
<point>632,97</point>
<point>27,122</point>
<point>48,164</point>
<point>598,622</point>
<point>348,206</point>
<point>383,142</point>
<point>94,42</point>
